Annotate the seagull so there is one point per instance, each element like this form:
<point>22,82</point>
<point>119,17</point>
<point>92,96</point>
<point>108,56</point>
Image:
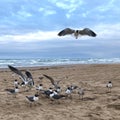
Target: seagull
<point>81,93</point>
<point>58,89</point>
<point>16,83</point>
<point>39,87</point>
<point>13,91</point>
<point>68,92</point>
<point>70,89</point>
<point>55,96</point>
<point>109,86</point>
<point>54,83</point>
<point>27,79</point>
<point>47,92</point>
<point>77,33</point>
<point>33,99</point>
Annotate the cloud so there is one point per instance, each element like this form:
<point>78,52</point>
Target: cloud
<point>104,31</point>
<point>22,13</point>
<point>47,11</point>
<point>31,16</point>
<point>105,7</point>
<point>69,5</point>
<point>30,37</point>
<point>108,31</point>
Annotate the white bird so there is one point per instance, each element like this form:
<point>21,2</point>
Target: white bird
<point>16,83</point>
<point>68,92</point>
<point>33,99</point>
<point>13,91</point>
<point>39,87</point>
<point>109,86</point>
<point>77,33</point>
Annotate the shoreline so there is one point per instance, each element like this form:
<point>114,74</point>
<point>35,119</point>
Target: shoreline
<point>56,66</point>
<point>33,62</point>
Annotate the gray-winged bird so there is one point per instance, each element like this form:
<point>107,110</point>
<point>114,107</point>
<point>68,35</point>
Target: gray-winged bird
<point>77,33</point>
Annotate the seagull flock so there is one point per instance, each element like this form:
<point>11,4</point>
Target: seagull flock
<point>53,93</point>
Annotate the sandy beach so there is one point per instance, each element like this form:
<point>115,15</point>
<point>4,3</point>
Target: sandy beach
<point>97,104</point>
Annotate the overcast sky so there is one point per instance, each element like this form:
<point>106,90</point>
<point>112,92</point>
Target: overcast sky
<point>31,27</point>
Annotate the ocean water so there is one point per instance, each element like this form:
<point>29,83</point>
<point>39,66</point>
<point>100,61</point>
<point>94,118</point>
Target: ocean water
<point>31,62</point>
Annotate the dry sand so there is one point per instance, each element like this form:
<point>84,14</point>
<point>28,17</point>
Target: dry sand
<point>97,104</point>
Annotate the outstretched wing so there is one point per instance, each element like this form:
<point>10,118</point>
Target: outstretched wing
<point>29,75</point>
<point>88,32</point>
<point>15,70</point>
<point>50,78</point>
<point>30,78</point>
<point>66,31</point>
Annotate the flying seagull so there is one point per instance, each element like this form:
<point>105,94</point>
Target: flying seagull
<point>27,79</point>
<point>54,83</point>
<point>77,33</point>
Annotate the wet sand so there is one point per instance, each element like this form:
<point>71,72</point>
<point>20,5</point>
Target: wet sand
<point>97,104</point>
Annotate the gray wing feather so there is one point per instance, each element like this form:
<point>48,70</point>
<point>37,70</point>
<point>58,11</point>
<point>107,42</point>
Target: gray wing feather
<point>29,75</point>
<point>30,98</point>
<point>88,32</point>
<point>30,78</point>
<point>15,70</point>
<point>66,31</point>
<point>50,78</point>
